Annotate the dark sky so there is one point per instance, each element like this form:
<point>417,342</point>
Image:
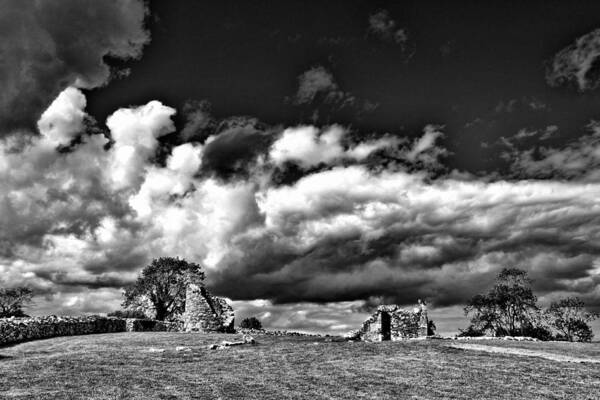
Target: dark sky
<point>463,61</point>
<point>317,158</point>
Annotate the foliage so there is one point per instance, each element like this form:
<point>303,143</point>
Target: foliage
<point>569,318</point>
<point>127,314</point>
<point>13,300</point>
<point>537,331</point>
<point>163,283</point>
<point>509,308</point>
<point>431,328</point>
<point>251,323</point>
<point>470,331</point>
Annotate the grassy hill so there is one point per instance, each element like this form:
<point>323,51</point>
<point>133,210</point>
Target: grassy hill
<point>132,366</point>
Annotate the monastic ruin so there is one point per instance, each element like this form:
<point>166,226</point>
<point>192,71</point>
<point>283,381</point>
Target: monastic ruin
<point>390,322</point>
<point>206,313</point>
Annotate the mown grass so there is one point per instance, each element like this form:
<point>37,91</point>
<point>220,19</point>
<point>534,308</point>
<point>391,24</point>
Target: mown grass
<point>118,366</point>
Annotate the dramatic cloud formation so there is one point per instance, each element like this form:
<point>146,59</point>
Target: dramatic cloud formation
<point>578,63</point>
<point>49,45</point>
<point>77,225</point>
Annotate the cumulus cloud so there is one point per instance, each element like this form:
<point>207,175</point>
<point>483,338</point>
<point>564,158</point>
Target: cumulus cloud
<point>48,46</point>
<point>63,120</point>
<point>578,159</point>
<point>77,225</point>
<point>348,233</point>
<point>578,63</point>
<point>305,146</point>
<point>233,148</point>
<point>135,132</point>
<point>308,146</point>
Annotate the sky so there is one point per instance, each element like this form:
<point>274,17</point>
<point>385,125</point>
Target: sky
<point>317,158</point>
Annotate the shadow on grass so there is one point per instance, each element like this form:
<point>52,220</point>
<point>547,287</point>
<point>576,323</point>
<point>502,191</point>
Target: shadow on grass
<point>2,357</point>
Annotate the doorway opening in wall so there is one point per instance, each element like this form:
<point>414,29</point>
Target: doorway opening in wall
<point>386,326</point>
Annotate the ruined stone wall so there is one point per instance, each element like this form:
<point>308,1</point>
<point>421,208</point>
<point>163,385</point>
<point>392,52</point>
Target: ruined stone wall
<point>203,313</point>
<point>206,313</point>
<point>151,325</point>
<point>15,330</point>
<point>391,322</point>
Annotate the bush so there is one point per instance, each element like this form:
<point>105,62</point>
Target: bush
<point>539,332</point>
<point>471,331</point>
<point>251,323</point>
<point>570,319</point>
<point>128,314</point>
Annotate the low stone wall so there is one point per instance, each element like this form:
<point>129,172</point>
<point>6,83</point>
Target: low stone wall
<point>246,331</point>
<point>15,330</point>
<point>151,325</point>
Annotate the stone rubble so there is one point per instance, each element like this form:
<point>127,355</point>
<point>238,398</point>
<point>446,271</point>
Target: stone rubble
<point>275,332</point>
<point>246,339</point>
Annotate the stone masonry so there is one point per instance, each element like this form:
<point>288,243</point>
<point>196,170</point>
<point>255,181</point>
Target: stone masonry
<point>206,313</point>
<point>391,322</point>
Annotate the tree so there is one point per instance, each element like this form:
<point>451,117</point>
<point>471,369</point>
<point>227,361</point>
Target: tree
<point>251,323</point>
<point>569,317</point>
<point>509,308</point>
<point>163,284</point>
<point>13,300</point>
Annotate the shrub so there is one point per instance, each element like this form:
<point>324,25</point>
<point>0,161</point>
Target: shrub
<point>251,323</point>
<point>569,317</point>
<point>471,331</point>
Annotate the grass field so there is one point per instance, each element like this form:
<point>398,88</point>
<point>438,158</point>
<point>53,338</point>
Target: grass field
<point>121,366</point>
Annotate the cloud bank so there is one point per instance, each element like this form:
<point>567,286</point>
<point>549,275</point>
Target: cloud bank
<point>77,223</point>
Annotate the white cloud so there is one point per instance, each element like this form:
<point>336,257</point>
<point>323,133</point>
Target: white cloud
<point>343,233</point>
<point>135,132</point>
<point>424,143</point>
<point>305,146</point>
<point>308,147</point>
<point>63,119</point>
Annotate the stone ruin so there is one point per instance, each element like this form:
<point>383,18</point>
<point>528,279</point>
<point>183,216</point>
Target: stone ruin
<point>203,312</point>
<point>390,322</point>
<point>206,313</point>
